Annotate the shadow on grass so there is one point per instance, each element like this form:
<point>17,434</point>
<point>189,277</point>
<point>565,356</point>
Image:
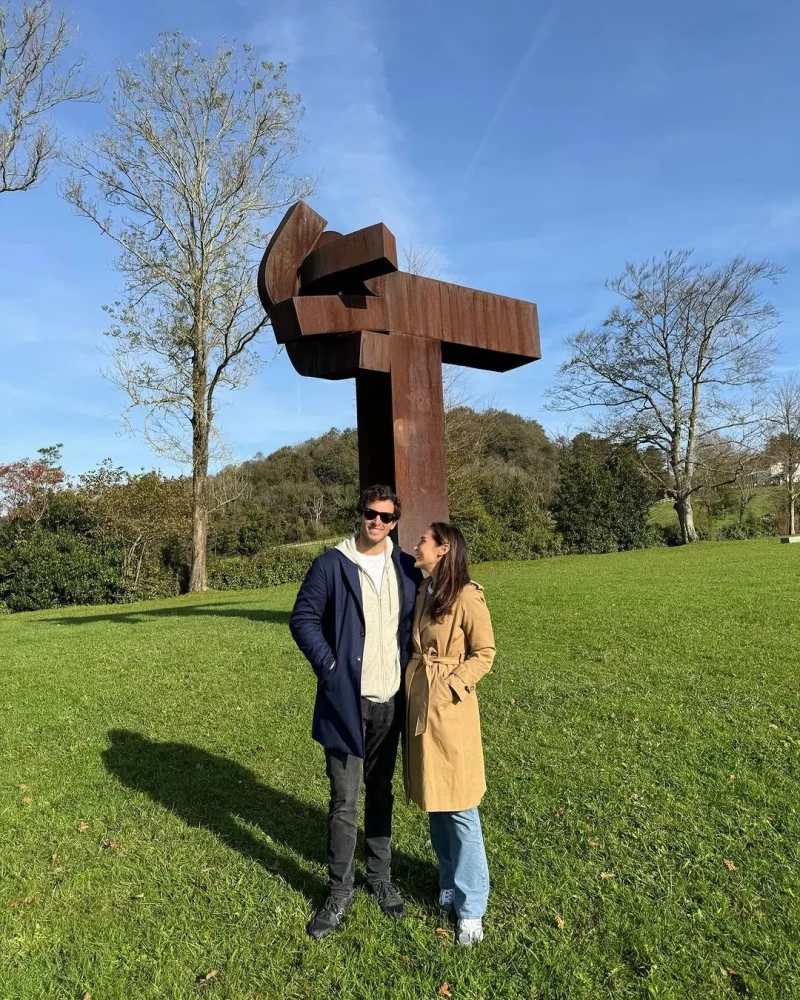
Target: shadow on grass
<point>130,617</point>
<point>217,794</point>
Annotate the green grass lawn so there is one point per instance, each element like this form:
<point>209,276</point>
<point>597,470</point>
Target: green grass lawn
<point>163,806</point>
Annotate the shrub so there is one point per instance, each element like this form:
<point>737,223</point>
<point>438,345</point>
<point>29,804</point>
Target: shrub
<point>501,516</point>
<point>49,569</point>
<point>603,499</point>
<point>769,524</point>
<point>671,534</point>
<point>736,532</point>
<point>267,569</point>
<point>749,527</point>
<point>656,536</point>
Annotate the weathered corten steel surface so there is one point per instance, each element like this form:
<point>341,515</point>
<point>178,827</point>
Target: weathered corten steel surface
<point>365,254</point>
<point>343,310</point>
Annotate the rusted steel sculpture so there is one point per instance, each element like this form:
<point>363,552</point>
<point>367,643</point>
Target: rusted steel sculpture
<point>343,310</point>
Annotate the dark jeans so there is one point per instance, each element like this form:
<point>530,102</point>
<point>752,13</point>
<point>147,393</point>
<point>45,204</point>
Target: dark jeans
<point>381,735</point>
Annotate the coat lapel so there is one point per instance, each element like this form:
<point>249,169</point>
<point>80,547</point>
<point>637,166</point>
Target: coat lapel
<point>406,583</point>
<point>421,615</point>
<point>350,571</point>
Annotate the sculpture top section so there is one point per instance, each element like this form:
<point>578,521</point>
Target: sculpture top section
<point>333,300</point>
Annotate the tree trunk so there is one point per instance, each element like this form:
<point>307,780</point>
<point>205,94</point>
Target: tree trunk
<point>198,579</point>
<point>683,506</point>
<point>200,433</point>
<point>791,508</point>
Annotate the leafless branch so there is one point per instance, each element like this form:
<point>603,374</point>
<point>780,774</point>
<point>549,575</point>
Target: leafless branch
<point>194,162</point>
<point>36,76</point>
<point>677,362</point>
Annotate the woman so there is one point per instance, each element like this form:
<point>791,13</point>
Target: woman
<point>453,647</point>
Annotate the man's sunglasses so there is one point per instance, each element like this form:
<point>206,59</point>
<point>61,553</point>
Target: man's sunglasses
<point>369,515</point>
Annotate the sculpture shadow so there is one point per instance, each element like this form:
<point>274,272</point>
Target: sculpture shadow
<point>211,792</point>
<point>130,617</point>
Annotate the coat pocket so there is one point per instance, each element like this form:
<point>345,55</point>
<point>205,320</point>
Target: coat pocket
<point>328,672</point>
<point>442,695</point>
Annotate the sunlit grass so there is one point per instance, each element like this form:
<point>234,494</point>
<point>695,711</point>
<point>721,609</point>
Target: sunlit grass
<point>162,812</point>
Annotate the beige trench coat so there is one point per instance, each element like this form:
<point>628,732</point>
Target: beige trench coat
<point>443,754</point>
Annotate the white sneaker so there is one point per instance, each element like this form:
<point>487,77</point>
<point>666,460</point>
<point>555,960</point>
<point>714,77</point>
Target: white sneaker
<point>447,898</point>
<point>470,931</point>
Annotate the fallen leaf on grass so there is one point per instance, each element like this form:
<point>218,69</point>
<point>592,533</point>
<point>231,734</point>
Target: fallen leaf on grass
<point>444,936</point>
<point>22,788</point>
<point>111,845</point>
<point>636,718</point>
<point>82,827</point>
<point>732,777</point>
<point>607,875</point>
<point>27,800</point>
<point>561,813</point>
<point>87,996</point>
<point>729,865</point>
<point>444,991</point>
<point>22,902</point>
<point>593,843</point>
<point>208,976</point>
<point>559,922</point>
<point>513,701</point>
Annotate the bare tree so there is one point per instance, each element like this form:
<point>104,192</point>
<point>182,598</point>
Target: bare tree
<point>783,447</point>
<point>746,490</point>
<point>230,484</point>
<point>420,258</point>
<point>35,77</point>
<point>673,366</point>
<point>317,505</point>
<point>726,470</point>
<point>194,160</point>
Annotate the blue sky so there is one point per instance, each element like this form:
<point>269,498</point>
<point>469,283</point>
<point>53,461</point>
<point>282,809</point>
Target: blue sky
<point>534,146</point>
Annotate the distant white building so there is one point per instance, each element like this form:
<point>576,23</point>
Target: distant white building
<point>779,472</point>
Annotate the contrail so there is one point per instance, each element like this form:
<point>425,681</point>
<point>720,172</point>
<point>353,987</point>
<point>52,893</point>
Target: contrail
<point>538,37</point>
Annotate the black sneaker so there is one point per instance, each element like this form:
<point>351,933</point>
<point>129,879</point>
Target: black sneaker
<point>329,915</point>
<point>389,898</point>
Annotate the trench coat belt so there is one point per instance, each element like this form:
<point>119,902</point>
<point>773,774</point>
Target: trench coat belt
<point>429,661</point>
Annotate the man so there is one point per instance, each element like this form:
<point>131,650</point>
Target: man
<point>352,621</point>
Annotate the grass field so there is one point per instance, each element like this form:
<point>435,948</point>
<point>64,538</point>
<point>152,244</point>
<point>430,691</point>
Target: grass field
<point>163,806</point>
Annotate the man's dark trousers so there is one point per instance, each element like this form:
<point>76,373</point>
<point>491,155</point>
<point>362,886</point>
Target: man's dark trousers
<point>381,735</point>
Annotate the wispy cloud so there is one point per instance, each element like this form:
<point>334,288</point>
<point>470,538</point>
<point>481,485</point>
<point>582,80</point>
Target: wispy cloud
<point>355,139</point>
<point>772,227</point>
<point>539,36</point>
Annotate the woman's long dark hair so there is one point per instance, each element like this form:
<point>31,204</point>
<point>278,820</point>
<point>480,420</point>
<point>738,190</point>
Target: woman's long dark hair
<point>452,574</point>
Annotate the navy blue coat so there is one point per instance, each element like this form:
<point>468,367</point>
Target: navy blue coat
<point>327,623</point>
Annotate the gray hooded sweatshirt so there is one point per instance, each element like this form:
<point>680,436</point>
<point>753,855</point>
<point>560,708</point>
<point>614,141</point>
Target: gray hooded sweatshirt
<point>380,664</point>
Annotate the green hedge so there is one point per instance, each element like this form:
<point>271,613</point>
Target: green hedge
<point>49,569</point>
<point>267,569</point>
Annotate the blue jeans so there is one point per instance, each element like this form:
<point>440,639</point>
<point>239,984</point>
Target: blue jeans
<point>458,842</point>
